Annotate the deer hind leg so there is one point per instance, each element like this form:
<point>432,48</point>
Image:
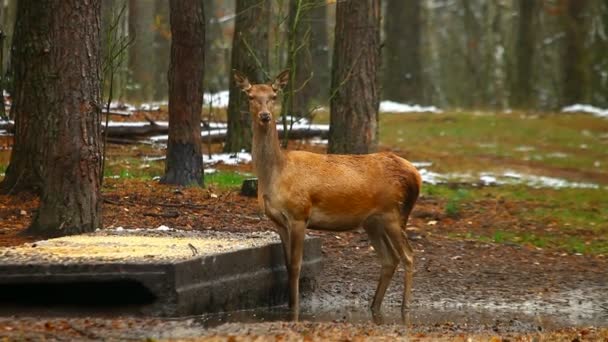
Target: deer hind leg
<point>406,254</point>
<point>388,259</point>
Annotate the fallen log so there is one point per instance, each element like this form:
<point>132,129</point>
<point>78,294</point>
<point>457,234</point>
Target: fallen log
<point>8,126</point>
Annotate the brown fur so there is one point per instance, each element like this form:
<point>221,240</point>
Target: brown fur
<point>299,190</point>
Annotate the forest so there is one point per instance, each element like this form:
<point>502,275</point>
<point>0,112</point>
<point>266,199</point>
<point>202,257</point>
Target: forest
<point>245,169</point>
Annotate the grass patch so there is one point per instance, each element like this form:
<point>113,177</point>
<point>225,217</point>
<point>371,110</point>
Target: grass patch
<point>571,220</point>
<point>473,142</point>
<point>454,202</point>
<point>226,179</point>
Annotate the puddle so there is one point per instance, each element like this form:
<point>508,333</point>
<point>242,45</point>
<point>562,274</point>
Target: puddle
<point>571,308</point>
<point>465,317</point>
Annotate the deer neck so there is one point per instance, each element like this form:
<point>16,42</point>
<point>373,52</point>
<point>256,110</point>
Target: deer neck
<point>268,159</point>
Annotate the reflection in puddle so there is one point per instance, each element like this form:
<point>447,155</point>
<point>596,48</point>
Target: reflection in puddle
<point>420,318</point>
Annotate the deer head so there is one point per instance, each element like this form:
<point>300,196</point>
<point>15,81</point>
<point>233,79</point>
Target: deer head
<point>262,97</point>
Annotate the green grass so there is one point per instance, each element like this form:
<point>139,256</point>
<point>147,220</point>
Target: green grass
<point>571,220</point>
<point>226,179</point>
<point>457,141</point>
<point>454,202</point>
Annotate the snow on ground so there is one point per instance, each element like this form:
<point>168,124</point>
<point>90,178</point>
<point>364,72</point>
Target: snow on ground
<point>396,107</point>
<point>585,108</point>
<point>217,100</point>
<point>204,134</point>
<point>507,177</point>
<point>227,158</point>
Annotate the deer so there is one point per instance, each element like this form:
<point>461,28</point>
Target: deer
<point>299,190</point>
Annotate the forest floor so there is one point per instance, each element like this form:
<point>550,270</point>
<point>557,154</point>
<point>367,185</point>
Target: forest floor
<point>495,262</point>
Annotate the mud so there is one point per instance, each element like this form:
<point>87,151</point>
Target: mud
<point>461,287</point>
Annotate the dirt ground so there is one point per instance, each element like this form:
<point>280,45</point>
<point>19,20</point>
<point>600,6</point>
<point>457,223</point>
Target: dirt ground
<point>462,289</point>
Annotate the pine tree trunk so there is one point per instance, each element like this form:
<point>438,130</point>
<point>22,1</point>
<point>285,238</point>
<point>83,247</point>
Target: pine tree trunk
<point>216,68</point>
<point>184,165</point>
<point>249,56</point>
<point>522,89</point>
<point>319,49</point>
<point>354,102</point>
<point>575,57</point>
<point>31,64</point>
<point>70,130</point>
<point>142,56</point>
<point>162,48</point>
<point>297,93</point>
<point>305,56</point>
<point>402,79</point>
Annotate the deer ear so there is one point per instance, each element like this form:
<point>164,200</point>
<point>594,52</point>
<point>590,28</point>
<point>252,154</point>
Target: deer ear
<point>281,80</point>
<point>241,80</point>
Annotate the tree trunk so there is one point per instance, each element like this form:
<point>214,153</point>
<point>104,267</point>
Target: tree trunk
<point>319,49</point>
<point>31,64</point>
<point>402,51</point>
<point>575,56</point>
<point>70,130</point>
<point>184,165</point>
<point>216,67</point>
<point>162,43</point>
<point>9,13</point>
<point>249,56</point>
<point>142,56</point>
<point>303,83</point>
<point>354,101</point>
<point>522,85</point>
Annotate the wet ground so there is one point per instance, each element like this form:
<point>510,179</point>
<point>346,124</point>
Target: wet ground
<point>461,288</point>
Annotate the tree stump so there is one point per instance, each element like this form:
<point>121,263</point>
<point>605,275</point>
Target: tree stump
<point>250,187</point>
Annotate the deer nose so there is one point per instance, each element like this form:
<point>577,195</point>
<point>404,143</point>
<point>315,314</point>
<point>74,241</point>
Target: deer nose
<point>265,117</point>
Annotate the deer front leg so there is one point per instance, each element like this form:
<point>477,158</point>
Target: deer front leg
<point>282,224</point>
<point>286,243</point>
<point>297,233</point>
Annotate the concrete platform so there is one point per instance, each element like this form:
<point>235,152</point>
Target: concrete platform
<point>151,272</point>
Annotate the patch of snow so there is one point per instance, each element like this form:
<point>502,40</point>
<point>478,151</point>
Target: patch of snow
<point>396,107</point>
<point>134,124</point>
<point>150,107</point>
<point>488,179</point>
<point>524,148</point>
<point>585,108</point>
<point>559,155</point>
<point>422,164</point>
<point>487,145</point>
<point>318,141</point>
<point>228,158</point>
<point>164,228</point>
<point>217,100</point>
<point>431,177</point>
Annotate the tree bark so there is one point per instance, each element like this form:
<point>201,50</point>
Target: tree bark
<point>184,165</point>
<point>304,83</point>
<point>522,85</point>
<point>32,65</point>
<point>354,102</point>
<point>142,57</point>
<point>249,56</point>
<point>216,66</point>
<point>162,48</point>
<point>319,84</point>
<point>69,125</point>
<point>575,56</point>
<point>402,52</point>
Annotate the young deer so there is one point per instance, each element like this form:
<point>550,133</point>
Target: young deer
<point>299,190</point>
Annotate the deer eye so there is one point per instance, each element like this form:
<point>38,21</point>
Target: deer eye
<point>273,97</point>
<point>251,97</point>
